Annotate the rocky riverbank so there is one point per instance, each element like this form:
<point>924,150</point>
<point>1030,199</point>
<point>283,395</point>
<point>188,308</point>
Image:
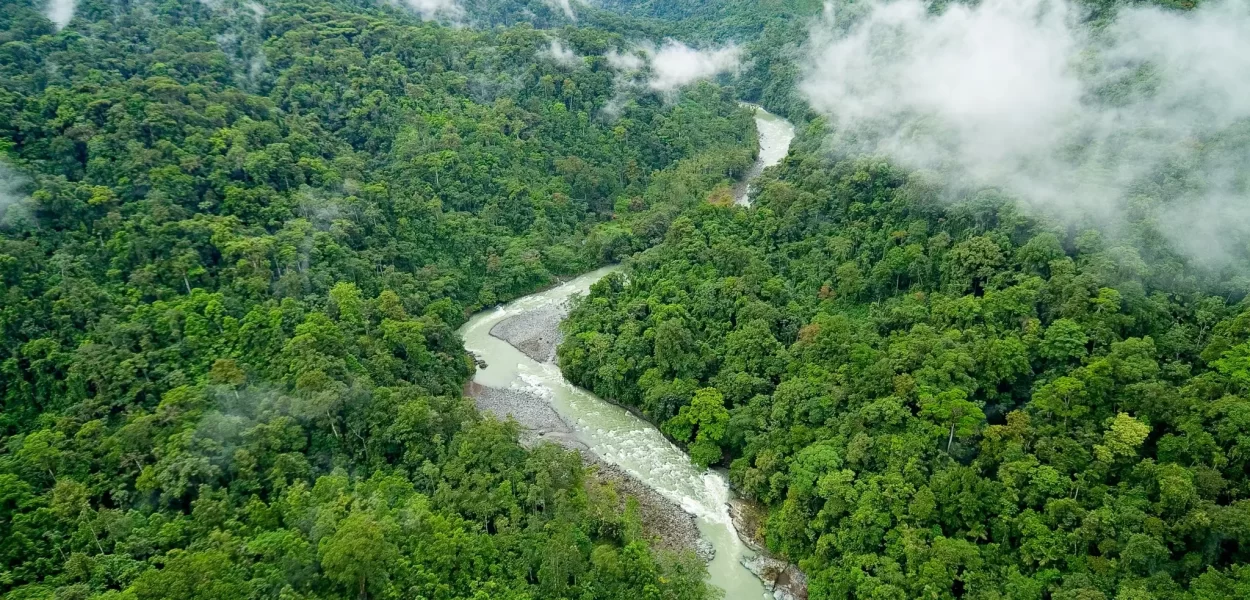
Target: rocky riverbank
<point>663,520</point>
<point>783,579</point>
<point>668,526</point>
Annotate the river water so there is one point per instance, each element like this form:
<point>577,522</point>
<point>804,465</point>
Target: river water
<point>776,134</point>
<point>617,436</point>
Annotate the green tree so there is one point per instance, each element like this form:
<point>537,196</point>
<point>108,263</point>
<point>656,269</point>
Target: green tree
<point>952,410</point>
<point>704,421</point>
<point>1123,437</point>
<point>359,555</point>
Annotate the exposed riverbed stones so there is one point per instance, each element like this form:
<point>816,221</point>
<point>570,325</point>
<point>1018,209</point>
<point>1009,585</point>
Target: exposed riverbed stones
<point>663,520</point>
<point>530,410</point>
<point>668,526</point>
<point>536,333</point>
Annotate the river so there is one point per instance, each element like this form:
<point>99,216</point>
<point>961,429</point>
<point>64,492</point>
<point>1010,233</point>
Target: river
<point>776,134</point>
<point>617,436</point>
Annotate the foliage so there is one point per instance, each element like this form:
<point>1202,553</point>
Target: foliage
<point>229,298</point>
<point>942,400</point>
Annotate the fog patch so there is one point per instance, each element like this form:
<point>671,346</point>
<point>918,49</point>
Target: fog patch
<point>564,6</point>
<point>247,56</point>
<point>674,65</point>
<point>431,10</point>
<point>561,54</point>
<point>60,12</point>
<point>624,61</point>
<point>256,67</point>
<point>13,203</point>
<point>1019,94</point>
<point>258,10</point>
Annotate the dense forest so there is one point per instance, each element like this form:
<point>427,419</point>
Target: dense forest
<point>236,242</point>
<point>937,397</point>
<point>936,400</point>
<point>237,238</point>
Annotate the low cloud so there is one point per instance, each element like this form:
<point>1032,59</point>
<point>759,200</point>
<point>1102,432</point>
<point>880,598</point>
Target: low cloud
<point>1077,119</point>
<point>675,65</point>
<point>624,61</point>
<point>564,6</point>
<point>258,10</point>
<point>11,196</point>
<point>256,67</point>
<point>562,54</point>
<point>431,10</point>
<point>60,12</point>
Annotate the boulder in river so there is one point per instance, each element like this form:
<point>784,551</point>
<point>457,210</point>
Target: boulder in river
<point>783,579</point>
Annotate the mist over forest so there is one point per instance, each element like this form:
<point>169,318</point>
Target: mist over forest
<point>983,333</point>
<point>1073,117</point>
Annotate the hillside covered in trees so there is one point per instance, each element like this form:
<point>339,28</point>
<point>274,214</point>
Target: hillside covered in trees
<point>939,401</point>
<point>236,240</point>
<point>237,237</point>
<point>937,392</point>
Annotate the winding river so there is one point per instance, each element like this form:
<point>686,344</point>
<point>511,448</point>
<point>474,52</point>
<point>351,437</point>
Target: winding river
<point>617,436</point>
<point>776,134</point>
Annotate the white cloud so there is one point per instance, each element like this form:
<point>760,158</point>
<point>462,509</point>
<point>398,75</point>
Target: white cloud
<point>564,6</point>
<point>258,10</point>
<point>625,61</point>
<point>562,54</point>
<point>10,192</point>
<point>60,12</point>
<point>435,9</point>
<point>675,65</point>
<point>1019,94</point>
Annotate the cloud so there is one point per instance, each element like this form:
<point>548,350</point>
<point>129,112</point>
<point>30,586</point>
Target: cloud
<point>1019,94</point>
<point>565,6</point>
<point>675,65</point>
<point>11,196</point>
<point>435,9</point>
<point>624,61</point>
<point>562,54</point>
<point>256,66</point>
<point>258,10</point>
<point>60,12</point>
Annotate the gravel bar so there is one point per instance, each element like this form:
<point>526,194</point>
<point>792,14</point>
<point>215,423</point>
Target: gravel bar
<point>536,333</point>
<point>670,527</point>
